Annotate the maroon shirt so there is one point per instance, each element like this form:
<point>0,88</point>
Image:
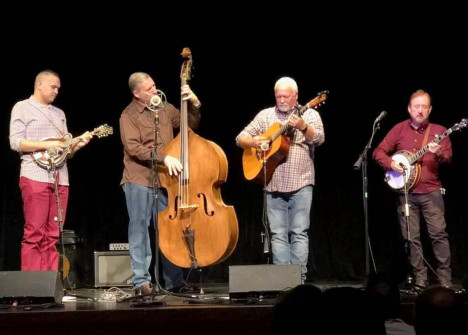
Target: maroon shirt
<point>404,136</point>
<point>137,134</point>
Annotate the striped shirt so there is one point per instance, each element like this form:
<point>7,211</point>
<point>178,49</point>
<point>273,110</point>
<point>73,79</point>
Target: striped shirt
<point>298,169</point>
<point>33,121</point>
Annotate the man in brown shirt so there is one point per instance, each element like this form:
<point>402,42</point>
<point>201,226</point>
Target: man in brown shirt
<point>139,123</point>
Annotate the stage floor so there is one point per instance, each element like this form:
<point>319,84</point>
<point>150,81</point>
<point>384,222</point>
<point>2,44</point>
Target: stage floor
<point>115,310</point>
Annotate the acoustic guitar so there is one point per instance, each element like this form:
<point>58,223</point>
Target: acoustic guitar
<point>54,157</point>
<point>253,159</point>
<point>409,161</point>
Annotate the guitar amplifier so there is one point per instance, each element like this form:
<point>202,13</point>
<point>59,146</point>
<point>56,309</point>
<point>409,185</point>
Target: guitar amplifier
<point>112,268</point>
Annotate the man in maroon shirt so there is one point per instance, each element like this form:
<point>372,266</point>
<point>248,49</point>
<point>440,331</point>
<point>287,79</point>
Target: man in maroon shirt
<point>425,196</point>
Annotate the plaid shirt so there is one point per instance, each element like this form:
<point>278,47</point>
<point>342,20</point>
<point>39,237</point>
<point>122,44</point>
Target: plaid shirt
<point>298,169</point>
<point>33,121</point>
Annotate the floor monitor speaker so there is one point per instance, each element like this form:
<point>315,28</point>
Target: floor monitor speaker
<point>262,280</point>
<point>30,287</point>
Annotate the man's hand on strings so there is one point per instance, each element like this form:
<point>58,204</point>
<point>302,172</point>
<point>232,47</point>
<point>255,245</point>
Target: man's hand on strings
<point>173,165</point>
<point>397,166</point>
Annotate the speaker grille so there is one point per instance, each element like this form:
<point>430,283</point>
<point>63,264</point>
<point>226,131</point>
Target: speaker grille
<point>112,268</point>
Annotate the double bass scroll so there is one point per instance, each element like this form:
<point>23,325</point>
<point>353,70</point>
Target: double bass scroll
<point>196,228</point>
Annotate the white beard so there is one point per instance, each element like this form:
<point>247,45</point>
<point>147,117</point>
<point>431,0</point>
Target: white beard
<point>284,108</point>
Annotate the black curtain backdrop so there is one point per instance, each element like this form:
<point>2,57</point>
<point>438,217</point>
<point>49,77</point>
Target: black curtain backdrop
<point>368,63</point>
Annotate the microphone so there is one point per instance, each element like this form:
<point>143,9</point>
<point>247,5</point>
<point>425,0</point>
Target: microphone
<point>264,146</point>
<point>155,100</point>
<point>51,151</point>
<point>381,116</point>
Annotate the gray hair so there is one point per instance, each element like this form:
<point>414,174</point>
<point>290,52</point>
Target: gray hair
<point>288,82</point>
<point>136,79</point>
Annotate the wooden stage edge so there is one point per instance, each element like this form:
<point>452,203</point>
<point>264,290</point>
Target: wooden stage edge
<point>97,311</point>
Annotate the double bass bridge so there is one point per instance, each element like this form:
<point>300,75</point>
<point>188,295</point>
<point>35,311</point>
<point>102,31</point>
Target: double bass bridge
<point>187,209</point>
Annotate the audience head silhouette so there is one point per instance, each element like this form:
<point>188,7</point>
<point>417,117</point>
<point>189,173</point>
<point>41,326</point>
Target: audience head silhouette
<point>297,309</point>
<point>349,310</point>
<point>438,310</point>
<point>384,290</point>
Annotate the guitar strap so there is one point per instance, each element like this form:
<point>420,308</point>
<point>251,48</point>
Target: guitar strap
<point>426,136</point>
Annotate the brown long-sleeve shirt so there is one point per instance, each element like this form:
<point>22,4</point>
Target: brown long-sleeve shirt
<point>137,132</point>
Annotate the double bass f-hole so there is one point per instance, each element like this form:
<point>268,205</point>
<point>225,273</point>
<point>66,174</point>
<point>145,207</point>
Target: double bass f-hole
<point>196,228</point>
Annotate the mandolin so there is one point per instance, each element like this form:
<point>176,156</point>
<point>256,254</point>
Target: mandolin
<point>54,157</point>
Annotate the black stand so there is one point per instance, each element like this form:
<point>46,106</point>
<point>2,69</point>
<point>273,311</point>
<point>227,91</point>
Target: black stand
<point>59,220</point>
<point>157,288</point>
<point>409,281</point>
<point>266,228</point>
<point>362,162</point>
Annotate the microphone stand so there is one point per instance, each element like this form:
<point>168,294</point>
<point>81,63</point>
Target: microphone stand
<point>361,163</point>
<point>409,279</point>
<point>59,219</point>
<point>157,288</point>
<point>266,230</point>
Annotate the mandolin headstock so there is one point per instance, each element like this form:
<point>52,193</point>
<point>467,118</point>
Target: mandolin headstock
<point>103,131</point>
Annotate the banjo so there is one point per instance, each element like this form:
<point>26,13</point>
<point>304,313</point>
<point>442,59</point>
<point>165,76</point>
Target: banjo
<point>408,161</point>
<point>53,157</point>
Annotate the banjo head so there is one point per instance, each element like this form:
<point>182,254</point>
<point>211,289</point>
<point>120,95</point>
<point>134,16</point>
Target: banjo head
<point>395,179</point>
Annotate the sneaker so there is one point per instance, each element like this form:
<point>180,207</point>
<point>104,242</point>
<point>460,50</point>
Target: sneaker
<point>146,288</point>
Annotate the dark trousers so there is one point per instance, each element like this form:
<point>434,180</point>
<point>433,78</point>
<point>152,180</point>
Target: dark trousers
<point>431,207</point>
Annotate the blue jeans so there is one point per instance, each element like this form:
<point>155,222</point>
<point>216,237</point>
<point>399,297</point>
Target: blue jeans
<point>289,219</point>
<point>141,210</point>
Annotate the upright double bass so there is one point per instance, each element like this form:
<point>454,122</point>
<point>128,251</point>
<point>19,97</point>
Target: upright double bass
<point>196,229</point>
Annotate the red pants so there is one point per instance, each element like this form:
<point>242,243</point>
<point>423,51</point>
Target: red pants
<point>41,229</point>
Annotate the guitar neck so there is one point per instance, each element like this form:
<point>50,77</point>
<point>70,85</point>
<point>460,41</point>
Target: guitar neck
<point>286,124</point>
<point>311,104</point>
<point>424,149</point>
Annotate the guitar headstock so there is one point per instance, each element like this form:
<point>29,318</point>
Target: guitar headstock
<point>462,124</point>
<point>319,99</point>
<point>103,131</point>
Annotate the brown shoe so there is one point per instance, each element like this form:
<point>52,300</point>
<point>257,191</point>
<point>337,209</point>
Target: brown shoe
<point>146,288</point>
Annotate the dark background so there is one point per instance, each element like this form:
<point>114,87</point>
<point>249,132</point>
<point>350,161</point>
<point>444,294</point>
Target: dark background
<point>368,62</point>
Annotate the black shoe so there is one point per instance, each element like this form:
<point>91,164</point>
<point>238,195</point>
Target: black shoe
<point>420,284</point>
<point>447,283</point>
<point>183,288</point>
